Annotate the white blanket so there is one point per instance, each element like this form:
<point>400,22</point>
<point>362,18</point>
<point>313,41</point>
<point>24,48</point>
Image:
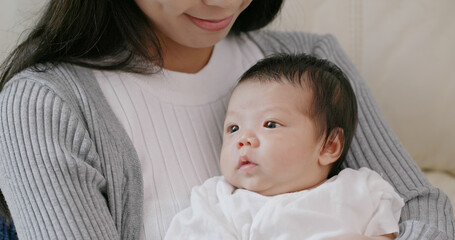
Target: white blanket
<point>355,201</point>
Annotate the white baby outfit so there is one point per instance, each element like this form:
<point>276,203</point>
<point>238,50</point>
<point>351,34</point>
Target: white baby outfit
<point>354,201</point>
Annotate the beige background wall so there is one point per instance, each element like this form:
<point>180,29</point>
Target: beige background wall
<point>15,17</point>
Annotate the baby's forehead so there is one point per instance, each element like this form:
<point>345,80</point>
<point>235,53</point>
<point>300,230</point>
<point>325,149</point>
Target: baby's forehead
<point>295,92</point>
<point>304,87</point>
<point>298,81</point>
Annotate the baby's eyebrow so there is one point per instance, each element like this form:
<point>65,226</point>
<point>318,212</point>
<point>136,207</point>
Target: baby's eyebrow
<point>232,113</point>
<point>235,113</point>
<point>276,109</point>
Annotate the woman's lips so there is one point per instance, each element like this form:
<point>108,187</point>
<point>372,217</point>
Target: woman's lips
<point>210,25</point>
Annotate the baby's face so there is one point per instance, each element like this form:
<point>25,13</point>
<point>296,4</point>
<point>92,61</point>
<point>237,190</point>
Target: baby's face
<point>270,144</point>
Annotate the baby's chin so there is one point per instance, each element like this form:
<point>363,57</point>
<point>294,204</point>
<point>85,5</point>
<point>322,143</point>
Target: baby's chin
<point>256,187</point>
<point>266,190</point>
<point>269,192</point>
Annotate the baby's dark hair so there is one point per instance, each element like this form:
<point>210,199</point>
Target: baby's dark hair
<point>334,106</point>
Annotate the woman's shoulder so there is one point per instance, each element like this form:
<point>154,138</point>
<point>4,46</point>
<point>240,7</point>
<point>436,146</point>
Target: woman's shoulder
<point>53,76</point>
<point>72,85</point>
<point>67,81</point>
<point>271,41</point>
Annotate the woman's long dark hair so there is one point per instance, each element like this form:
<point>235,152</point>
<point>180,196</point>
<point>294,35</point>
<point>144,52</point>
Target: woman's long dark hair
<point>104,34</point>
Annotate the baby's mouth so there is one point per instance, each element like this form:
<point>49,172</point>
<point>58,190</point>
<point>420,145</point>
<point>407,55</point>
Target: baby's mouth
<point>244,164</point>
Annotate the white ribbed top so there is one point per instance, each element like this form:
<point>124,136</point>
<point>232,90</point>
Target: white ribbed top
<point>174,159</point>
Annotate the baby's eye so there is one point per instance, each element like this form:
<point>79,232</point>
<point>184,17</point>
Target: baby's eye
<point>233,128</point>
<point>271,124</point>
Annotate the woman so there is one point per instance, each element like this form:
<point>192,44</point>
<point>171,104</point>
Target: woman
<point>93,150</point>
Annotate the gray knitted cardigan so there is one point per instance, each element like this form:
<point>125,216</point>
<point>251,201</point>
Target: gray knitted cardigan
<point>69,171</point>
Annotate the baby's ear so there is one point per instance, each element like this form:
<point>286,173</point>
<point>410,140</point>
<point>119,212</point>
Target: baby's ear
<point>332,148</point>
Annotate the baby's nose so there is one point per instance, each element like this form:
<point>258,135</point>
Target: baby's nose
<point>248,141</point>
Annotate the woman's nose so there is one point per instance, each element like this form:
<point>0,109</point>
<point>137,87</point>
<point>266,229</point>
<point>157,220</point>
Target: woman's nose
<point>248,140</point>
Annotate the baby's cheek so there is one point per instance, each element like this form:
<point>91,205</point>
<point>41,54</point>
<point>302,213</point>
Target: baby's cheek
<point>223,164</point>
<point>226,163</point>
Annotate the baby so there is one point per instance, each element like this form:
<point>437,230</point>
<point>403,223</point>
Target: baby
<point>288,127</point>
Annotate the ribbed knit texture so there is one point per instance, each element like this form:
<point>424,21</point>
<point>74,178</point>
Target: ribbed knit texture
<point>66,170</point>
<point>69,171</point>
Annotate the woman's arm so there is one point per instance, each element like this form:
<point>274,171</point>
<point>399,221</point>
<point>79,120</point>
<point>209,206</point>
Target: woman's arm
<point>427,213</point>
<point>50,172</point>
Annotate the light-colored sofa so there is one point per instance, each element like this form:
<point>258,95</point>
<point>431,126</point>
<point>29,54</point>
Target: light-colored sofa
<point>404,49</point>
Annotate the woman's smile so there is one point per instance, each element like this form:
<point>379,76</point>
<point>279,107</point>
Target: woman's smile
<point>211,25</point>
